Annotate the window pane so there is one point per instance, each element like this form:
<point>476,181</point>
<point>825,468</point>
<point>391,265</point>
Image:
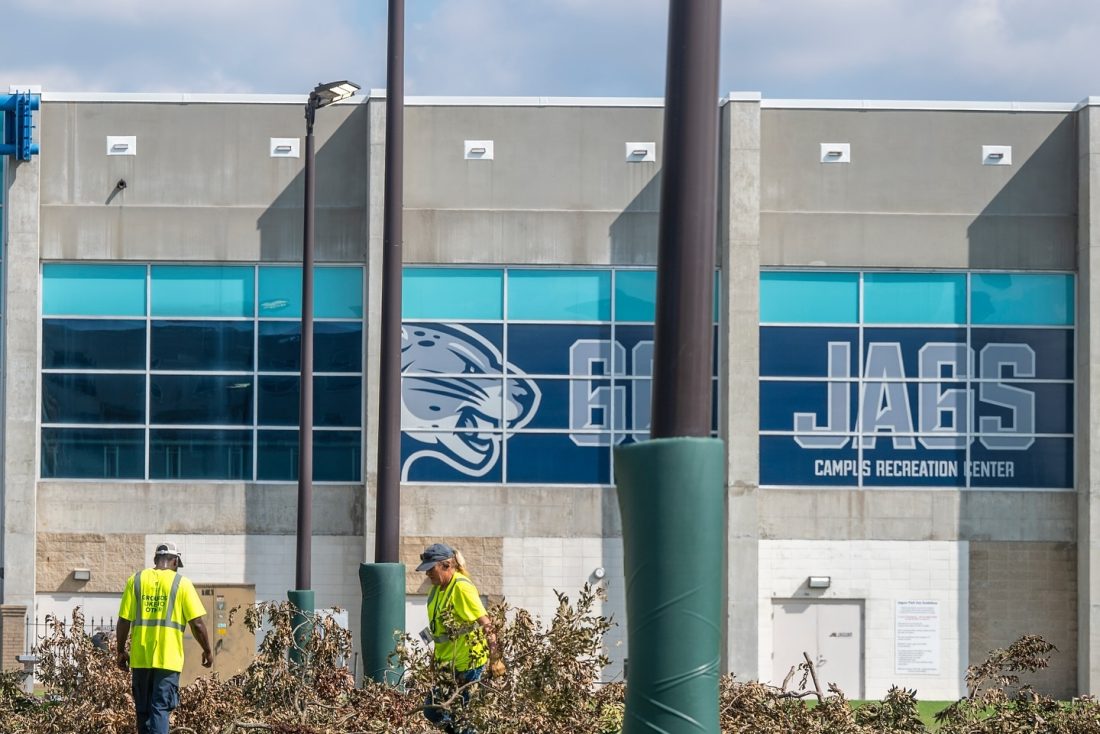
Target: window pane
<point>337,346</point>
<point>204,454</point>
<point>278,401</point>
<point>559,295</point>
<point>337,456</point>
<point>200,399</point>
<point>281,292</point>
<point>93,290</point>
<point>96,398</point>
<point>201,345</point>
<point>337,401</point>
<point>635,295</point>
<point>914,298</point>
<point>93,344</point>
<point>1016,298</point>
<point>102,453</point>
<point>450,403</point>
<point>201,290</point>
<point>337,292</point>
<point>555,458</point>
<point>809,298</point>
<point>452,293</point>
<point>451,456</point>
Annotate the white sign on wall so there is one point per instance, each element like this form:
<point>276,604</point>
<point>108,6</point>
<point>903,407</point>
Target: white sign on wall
<point>917,638</point>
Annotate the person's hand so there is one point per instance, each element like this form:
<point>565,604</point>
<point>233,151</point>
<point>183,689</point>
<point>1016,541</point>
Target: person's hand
<point>207,659</point>
<point>123,660</point>
<point>497,668</point>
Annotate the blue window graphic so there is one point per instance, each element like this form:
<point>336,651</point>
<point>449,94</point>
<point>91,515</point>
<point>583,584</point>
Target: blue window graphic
<point>524,375</point>
<point>957,380</point>
<point>200,380</point>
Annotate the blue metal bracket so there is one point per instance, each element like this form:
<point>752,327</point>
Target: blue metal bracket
<point>19,124</point>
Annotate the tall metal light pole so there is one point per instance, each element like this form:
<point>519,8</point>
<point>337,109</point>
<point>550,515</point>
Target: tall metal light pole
<point>671,488</point>
<point>302,595</point>
<point>383,582</point>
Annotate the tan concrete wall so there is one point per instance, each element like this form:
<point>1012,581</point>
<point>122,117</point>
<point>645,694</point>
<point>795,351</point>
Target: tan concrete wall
<point>1026,588</point>
<point>13,631</point>
<point>484,559</point>
<point>110,557</point>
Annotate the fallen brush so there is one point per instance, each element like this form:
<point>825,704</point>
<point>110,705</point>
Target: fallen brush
<point>552,686</point>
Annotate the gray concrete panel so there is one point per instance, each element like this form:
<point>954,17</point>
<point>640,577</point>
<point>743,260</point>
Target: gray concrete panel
<point>198,234</point>
<point>908,240</point>
<point>550,158</point>
<point>530,237</point>
<point>915,193</point>
<point>20,377</point>
<point>212,509</point>
<point>559,190</point>
<point>943,515</point>
<point>203,185</point>
<point>512,511</point>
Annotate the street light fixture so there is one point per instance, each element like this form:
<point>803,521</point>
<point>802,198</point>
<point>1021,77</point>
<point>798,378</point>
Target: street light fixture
<point>326,94</point>
<point>302,597</point>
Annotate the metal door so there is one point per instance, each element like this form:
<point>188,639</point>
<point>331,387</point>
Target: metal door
<point>831,633</point>
<point>233,645</point>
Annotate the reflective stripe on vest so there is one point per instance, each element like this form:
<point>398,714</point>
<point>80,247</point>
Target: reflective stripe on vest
<point>167,621</point>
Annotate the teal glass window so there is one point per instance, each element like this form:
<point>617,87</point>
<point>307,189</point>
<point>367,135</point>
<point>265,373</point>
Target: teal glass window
<point>93,290</point>
<point>281,292</point>
<point>559,295</point>
<point>914,298</point>
<point>201,290</point>
<point>337,292</point>
<point>452,293</point>
<point>182,396</point>
<point>635,295</point>
<point>1022,299</point>
<point>809,298</point>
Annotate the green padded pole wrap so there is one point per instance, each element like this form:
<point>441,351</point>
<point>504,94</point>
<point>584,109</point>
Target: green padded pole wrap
<point>303,601</point>
<point>383,612</point>
<point>671,499</point>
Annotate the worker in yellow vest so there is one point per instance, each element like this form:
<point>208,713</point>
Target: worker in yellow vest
<point>156,606</point>
<point>463,652</point>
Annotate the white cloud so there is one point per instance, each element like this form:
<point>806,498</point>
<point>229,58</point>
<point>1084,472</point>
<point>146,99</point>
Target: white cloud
<point>979,49</point>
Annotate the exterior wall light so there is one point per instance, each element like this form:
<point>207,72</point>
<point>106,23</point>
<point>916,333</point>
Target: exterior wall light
<point>819,582</point>
<point>82,574</point>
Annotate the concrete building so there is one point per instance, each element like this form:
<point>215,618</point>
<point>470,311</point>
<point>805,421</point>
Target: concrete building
<point>904,373</point>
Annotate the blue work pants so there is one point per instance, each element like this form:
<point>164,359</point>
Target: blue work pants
<point>440,717</point>
<point>156,694</point>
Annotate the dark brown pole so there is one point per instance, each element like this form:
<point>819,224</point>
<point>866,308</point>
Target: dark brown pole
<point>388,503</point>
<point>688,223</point>
<point>305,405</point>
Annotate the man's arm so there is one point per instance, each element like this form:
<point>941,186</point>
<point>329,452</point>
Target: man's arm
<point>122,631</point>
<point>198,629</point>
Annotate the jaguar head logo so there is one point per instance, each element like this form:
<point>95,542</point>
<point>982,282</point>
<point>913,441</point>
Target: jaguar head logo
<point>453,402</point>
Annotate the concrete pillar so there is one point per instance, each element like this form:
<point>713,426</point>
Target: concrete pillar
<point>20,378</point>
<point>13,635</point>
<point>739,258</point>
<point>1088,387</point>
<point>376,167</point>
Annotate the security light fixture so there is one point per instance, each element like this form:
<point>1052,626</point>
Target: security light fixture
<point>82,574</point>
<point>325,94</point>
<point>819,582</point>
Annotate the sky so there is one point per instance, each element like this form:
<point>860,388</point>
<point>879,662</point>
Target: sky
<point>995,50</point>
